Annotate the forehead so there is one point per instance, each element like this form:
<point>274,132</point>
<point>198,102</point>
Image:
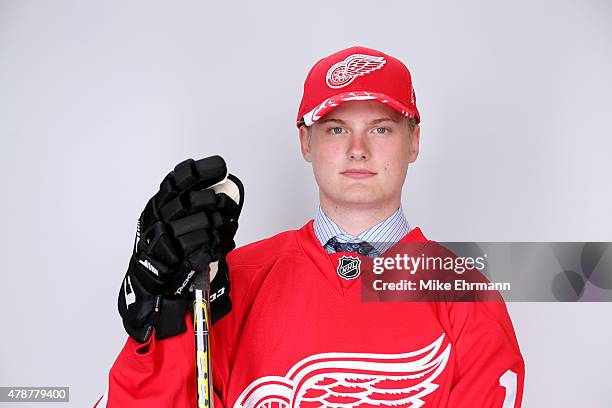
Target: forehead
<point>362,111</point>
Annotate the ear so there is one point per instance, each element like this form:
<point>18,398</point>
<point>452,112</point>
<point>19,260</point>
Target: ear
<point>304,145</point>
<point>414,144</point>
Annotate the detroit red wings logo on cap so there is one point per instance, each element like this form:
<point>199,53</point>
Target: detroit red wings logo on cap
<point>348,380</point>
<point>344,72</point>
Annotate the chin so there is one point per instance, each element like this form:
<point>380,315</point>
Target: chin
<point>358,198</point>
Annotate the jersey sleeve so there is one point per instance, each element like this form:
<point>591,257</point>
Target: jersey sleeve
<point>489,369</point>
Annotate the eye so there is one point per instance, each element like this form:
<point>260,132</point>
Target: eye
<point>335,130</point>
<point>382,130</point>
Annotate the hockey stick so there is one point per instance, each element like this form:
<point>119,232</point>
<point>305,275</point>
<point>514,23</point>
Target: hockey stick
<point>201,309</point>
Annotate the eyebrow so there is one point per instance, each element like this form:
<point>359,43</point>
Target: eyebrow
<point>373,122</point>
<point>376,121</point>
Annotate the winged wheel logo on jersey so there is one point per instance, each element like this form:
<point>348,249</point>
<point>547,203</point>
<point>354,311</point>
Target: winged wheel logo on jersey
<point>350,380</point>
<point>349,267</point>
<point>345,71</point>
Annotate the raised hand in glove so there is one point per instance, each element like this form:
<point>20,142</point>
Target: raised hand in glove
<point>188,225</point>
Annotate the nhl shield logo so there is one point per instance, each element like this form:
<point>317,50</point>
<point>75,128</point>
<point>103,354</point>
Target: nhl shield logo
<point>348,267</point>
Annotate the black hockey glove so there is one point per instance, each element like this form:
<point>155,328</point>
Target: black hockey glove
<point>187,226</point>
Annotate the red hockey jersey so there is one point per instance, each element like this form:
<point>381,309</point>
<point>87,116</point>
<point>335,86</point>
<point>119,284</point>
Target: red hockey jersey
<point>299,335</point>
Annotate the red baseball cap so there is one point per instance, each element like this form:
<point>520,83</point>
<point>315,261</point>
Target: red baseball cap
<point>356,74</point>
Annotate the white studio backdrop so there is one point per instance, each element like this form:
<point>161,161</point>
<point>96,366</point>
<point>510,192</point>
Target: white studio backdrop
<point>98,100</point>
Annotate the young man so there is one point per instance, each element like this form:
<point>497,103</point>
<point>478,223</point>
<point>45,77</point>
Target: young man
<point>299,332</point>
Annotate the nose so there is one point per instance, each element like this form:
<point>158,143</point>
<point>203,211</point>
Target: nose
<point>358,148</point>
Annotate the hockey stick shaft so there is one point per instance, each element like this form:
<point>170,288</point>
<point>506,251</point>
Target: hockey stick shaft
<point>201,325</point>
<point>201,308</point>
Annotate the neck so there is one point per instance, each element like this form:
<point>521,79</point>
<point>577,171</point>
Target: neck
<point>357,218</point>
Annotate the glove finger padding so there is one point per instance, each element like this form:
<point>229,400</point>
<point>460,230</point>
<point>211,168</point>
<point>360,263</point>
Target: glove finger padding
<point>202,200</point>
<point>191,175</point>
<point>223,220</point>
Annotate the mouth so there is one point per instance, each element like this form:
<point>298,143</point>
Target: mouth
<point>358,173</point>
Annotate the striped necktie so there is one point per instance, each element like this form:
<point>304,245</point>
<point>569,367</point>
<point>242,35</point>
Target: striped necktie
<point>361,248</point>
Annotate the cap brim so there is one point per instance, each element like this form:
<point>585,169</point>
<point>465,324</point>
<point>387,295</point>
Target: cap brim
<point>330,103</point>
